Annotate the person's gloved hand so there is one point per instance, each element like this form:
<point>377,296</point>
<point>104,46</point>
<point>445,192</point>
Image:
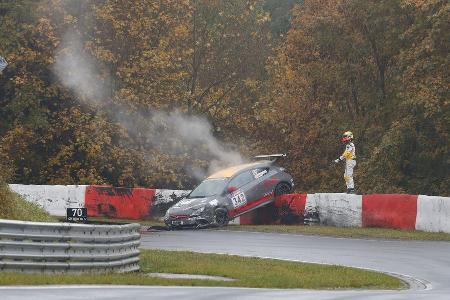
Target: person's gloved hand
<point>336,160</point>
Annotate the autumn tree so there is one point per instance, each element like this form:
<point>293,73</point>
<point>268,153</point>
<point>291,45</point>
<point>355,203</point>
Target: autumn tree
<point>93,89</point>
<point>139,58</point>
<point>416,144</point>
<point>352,65</point>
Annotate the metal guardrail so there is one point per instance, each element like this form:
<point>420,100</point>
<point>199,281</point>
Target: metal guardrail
<point>66,247</point>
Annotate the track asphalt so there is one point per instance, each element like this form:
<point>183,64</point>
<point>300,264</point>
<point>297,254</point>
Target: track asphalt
<point>424,264</point>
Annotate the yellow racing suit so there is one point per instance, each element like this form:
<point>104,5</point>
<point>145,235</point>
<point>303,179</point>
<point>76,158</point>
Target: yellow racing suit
<point>350,162</point>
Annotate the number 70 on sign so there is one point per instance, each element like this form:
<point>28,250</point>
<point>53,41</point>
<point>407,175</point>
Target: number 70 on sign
<point>76,214</point>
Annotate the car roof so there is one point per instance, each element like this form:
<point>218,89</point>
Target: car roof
<point>231,171</point>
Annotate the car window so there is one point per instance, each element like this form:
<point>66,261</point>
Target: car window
<point>259,172</point>
<point>241,179</point>
<point>208,188</point>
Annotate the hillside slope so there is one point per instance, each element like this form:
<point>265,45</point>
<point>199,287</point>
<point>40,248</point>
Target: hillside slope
<point>14,207</point>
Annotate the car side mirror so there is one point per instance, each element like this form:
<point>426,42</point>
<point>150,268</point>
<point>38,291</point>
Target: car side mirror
<point>231,189</point>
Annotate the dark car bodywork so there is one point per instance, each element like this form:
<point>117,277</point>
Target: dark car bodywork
<point>230,193</point>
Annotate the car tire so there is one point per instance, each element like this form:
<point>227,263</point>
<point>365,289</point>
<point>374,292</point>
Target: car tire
<point>221,217</point>
<point>282,188</point>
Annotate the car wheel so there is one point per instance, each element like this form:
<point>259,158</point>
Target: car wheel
<point>221,217</point>
<point>282,188</point>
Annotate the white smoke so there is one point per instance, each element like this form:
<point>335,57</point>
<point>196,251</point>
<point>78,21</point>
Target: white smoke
<point>77,70</point>
<point>180,133</point>
<point>194,133</point>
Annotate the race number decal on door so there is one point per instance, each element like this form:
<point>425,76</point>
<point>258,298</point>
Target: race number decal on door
<point>238,199</point>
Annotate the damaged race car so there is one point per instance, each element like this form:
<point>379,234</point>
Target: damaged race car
<point>230,193</point>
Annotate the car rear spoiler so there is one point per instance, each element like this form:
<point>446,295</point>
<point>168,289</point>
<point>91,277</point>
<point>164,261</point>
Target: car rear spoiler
<point>271,157</point>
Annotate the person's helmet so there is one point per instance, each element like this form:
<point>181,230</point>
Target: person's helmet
<point>347,137</point>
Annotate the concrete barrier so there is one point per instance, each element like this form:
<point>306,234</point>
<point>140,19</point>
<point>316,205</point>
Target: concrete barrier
<point>53,198</point>
<point>398,211</point>
<point>101,201</point>
<point>433,214</point>
<point>341,210</point>
<point>291,208</point>
<point>390,211</point>
<point>164,199</point>
<point>120,203</point>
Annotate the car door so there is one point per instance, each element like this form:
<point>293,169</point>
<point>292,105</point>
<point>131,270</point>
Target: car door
<point>257,188</point>
<point>239,193</point>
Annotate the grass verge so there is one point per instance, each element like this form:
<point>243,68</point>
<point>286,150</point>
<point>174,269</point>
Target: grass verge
<point>14,207</point>
<point>248,272</point>
<point>353,232</point>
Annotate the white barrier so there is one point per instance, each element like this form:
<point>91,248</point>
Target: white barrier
<point>165,199</point>
<point>169,196</point>
<point>336,209</point>
<point>235,221</point>
<point>53,198</point>
<point>433,214</point>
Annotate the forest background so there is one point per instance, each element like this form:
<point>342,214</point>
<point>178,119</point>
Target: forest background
<point>159,93</point>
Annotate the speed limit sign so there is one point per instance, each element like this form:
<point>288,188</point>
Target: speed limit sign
<point>77,214</point>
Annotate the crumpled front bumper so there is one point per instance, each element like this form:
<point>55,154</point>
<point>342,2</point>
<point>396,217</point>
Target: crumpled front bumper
<point>192,221</point>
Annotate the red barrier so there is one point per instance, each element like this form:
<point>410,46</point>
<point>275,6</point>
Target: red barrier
<point>263,215</point>
<point>121,203</point>
<point>389,210</point>
<point>247,219</point>
<point>378,210</point>
<point>291,208</point>
<point>287,209</point>
<point>295,203</point>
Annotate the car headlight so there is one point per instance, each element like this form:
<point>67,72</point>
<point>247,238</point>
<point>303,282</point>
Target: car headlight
<point>198,211</point>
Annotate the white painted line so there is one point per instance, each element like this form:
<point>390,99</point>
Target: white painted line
<point>189,276</point>
<point>141,287</point>
<point>378,240</point>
